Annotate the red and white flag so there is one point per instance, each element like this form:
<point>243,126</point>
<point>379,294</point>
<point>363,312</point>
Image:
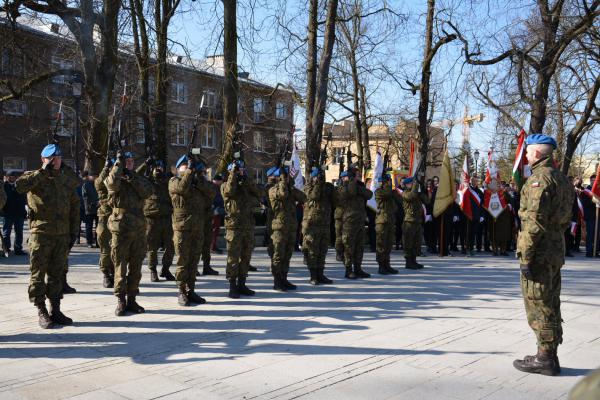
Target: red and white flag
<point>521,170</point>
<point>492,172</point>
<point>596,186</point>
<point>467,196</point>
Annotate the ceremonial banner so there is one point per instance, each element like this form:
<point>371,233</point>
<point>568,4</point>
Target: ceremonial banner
<point>377,172</point>
<point>413,160</point>
<point>296,170</point>
<point>494,203</point>
<point>521,170</point>
<point>466,195</point>
<point>596,185</point>
<point>446,191</point>
<point>492,172</point>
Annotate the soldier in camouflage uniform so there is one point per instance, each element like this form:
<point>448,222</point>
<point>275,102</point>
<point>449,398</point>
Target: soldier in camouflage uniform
<point>269,211</point>
<point>412,227</point>
<point>354,194</point>
<point>238,192</point>
<point>283,197</point>
<point>546,201</point>
<point>338,217</point>
<point>385,223</point>
<point>102,232</point>
<point>127,191</point>
<point>159,229</point>
<point>320,197</point>
<point>54,226</point>
<point>207,234</point>
<point>189,194</point>
<point>73,181</point>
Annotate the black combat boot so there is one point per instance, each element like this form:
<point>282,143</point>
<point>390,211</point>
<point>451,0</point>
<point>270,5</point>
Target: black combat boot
<point>544,362</point>
<point>182,298</point>
<point>66,289</point>
<point>251,268</point>
<point>339,256</point>
<point>321,278</point>
<point>243,289</point>
<point>419,266</point>
<point>382,269</point>
<point>233,289</point>
<point>207,269</point>
<point>278,283</point>
<point>165,273</point>
<point>314,276</point>
<point>56,315</point>
<point>133,306</point>
<point>288,285</point>
<point>108,281</point>
<point>389,268</point>
<point>358,271</point>
<point>120,310</point>
<point>154,275</point>
<point>349,273</point>
<point>43,317</point>
<point>410,264</point>
<point>194,298</point>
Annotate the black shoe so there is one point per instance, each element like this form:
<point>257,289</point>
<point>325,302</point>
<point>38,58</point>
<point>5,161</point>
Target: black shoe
<point>182,299</point>
<point>321,278</point>
<point>233,289</point>
<point>410,263</point>
<point>243,289</point>
<point>314,279</point>
<point>288,285</point>
<point>278,284</point>
<point>165,273</point>
<point>541,363</point>
<point>154,276</point>
<point>251,268</point>
<point>43,316</point>
<point>120,310</point>
<point>382,270</point>
<point>66,289</point>
<point>19,253</point>
<point>56,315</point>
<point>194,298</point>
<point>349,273</point>
<point>358,271</point>
<point>390,270</point>
<point>133,306</point>
<point>207,270</point>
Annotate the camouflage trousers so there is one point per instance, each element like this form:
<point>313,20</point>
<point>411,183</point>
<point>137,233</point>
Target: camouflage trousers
<point>48,255</point>
<point>104,237</point>
<point>240,243</point>
<point>128,249</point>
<point>411,238</point>
<point>542,305</point>
<point>284,241</point>
<point>206,242</point>
<point>159,233</point>
<point>385,233</point>
<point>315,246</point>
<point>353,237</point>
<point>188,249</point>
<point>268,233</point>
<point>339,241</point>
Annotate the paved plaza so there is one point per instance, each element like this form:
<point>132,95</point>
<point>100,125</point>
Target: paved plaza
<point>450,331</point>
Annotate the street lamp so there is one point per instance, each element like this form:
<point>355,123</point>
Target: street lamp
<point>476,156</point>
<point>77,87</point>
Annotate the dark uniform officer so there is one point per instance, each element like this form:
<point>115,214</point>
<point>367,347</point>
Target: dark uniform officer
<point>238,192</point>
<point>385,223</point>
<point>321,196</point>
<point>102,232</point>
<point>412,227</point>
<point>54,225</point>
<point>127,191</point>
<point>546,201</point>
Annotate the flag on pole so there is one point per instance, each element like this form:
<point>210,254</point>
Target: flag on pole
<point>521,170</point>
<point>413,160</point>
<point>466,196</point>
<point>296,170</point>
<point>492,172</point>
<point>446,191</point>
<point>377,172</point>
<point>596,185</point>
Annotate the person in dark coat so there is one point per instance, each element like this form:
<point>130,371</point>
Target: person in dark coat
<point>90,206</point>
<point>14,214</point>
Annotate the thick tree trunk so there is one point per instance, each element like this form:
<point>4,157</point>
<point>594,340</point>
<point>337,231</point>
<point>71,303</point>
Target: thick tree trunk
<point>365,128</point>
<point>161,80</point>
<point>422,119</point>
<point>311,84</point>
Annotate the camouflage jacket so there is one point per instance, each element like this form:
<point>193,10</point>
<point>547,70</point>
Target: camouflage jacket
<point>412,202</point>
<point>104,208</point>
<point>321,196</point>
<point>387,204</point>
<point>354,195</point>
<point>126,195</point>
<point>283,197</point>
<point>52,200</point>
<point>546,201</point>
<point>239,198</point>
<point>189,196</point>
<point>158,205</point>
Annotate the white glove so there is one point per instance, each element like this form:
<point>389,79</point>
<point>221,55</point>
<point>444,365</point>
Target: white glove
<point>480,219</point>
<point>428,218</point>
<point>455,219</point>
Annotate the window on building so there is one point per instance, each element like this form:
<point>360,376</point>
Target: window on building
<point>260,176</point>
<point>139,131</point>
<point>11,63</point>
<point>16,108</point>
<point>210,99</point>
<point>179,135</point>
<point>61,63</point>
<point>179,92</point>
<point>338,155</point>
<point>259,109</point>
<point>259,142</point>
<point>10,163</point>
<point>209,139</point>
<point>240,105</point>
<point>63,123</point>
<point>281,141</point>
<point>281,111</point>
<point>151,89</point>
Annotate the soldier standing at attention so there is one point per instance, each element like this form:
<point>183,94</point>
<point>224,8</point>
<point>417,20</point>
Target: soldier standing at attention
<point>320,197</point>
<point>127,191</point>
<point>385,223</point>
<point>159,229</point>
<point>338,218</point>
<point>207,227</point>
<point>238,191</point>
<point>412,227</point>
<point>269,211</point>
<point>73,181</point>
<point>546,201</point>
<point>102,232</point>
<point>54,226</point>
<point>283,197</point>
<point>189,193</point>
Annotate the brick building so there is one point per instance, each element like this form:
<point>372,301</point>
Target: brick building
<point>265,112</point>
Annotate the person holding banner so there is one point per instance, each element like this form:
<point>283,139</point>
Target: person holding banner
<point>499,223</point>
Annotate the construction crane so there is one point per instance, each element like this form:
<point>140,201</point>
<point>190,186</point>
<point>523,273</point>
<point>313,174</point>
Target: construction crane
<point>467,122</point>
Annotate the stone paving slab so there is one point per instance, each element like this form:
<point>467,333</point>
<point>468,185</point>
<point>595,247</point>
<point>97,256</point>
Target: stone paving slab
<point>449,331</point>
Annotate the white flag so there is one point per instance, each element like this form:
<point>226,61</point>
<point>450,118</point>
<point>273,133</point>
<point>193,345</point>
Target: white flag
<point>377,172</point>
<point>296,170</point>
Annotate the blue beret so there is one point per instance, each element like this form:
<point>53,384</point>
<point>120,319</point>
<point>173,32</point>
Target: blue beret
<point>160,164</point>
<point>408,180</point>
<point>270,171</point>
<point>51,150</point>
<point>182,160</point>
<point>540,138</point>
<point>200,166</point>
<point>344,174</point>
<point>315,171</point>
<point>278,171</point>
<point>128,154</point>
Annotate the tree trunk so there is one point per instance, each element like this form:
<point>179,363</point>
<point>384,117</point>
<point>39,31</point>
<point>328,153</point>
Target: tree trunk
<point>311,83</point>
<point>365,128</point>
<point>422,119</point>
